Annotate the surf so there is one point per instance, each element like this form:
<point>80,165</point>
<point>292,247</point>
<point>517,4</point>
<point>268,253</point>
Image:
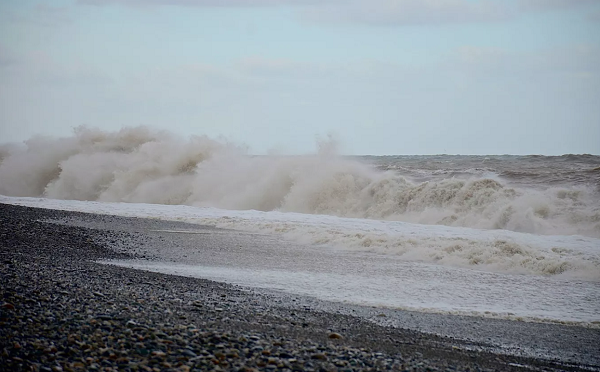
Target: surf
<point>140,165</point>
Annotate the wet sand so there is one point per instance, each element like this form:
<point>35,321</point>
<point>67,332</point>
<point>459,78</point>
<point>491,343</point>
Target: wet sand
<point>62,309</point>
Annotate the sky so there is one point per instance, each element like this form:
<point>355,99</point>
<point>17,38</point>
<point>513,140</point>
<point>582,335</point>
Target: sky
<point>380,76</point>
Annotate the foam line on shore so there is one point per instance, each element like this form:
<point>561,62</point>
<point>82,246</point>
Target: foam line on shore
<point>565,257</point>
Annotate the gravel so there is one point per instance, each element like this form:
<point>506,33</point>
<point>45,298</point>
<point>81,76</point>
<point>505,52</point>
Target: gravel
<point>62,311</point>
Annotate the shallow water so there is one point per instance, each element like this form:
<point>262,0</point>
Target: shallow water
<point>415,286</point>
<point>280,257</point>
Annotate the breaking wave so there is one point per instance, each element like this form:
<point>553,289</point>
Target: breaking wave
<point>146,166</point>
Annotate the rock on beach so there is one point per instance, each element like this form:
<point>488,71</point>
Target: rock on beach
<point>62,311</point>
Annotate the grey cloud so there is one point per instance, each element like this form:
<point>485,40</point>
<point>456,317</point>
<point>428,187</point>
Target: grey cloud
<point>380,12</point>
<point>41,15</point>
<point>6,57</point>
<point>49,16</point>
<point>577,59</point>
<point>39,69</point>
<point>401,12</point>
<point>199,3</point>
<point>265,67</point>
<point>437,104</point>
<point>594,17</point>
<point>397,12</point>
<point>542,5</point>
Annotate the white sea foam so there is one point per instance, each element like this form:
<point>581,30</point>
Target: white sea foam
<point>416,286</point>
<point>414,277</point>
<point>143,166</point>
<point>568,257</point>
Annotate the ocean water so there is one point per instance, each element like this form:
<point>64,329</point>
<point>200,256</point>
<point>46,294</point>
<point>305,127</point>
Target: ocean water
<point>508,236</point>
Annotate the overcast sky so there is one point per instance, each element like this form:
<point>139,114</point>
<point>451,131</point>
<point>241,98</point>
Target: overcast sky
<point>383,76</point>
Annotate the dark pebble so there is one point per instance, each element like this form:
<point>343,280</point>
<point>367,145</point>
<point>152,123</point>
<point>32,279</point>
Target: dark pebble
<point>66,312</point>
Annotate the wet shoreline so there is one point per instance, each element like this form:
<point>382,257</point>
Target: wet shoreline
<point>61,308</point>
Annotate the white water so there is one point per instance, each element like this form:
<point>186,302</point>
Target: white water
<point>531,250</point>
<point>504,251</point>
<point>496,273</point>
<point>139,165</point>
<point>418,287</point>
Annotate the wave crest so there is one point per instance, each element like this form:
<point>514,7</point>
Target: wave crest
<point>142,165</point>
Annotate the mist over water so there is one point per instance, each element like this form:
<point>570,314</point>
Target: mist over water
<point>535,194</point>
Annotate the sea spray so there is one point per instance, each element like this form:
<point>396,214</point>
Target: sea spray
<point>141,165</point>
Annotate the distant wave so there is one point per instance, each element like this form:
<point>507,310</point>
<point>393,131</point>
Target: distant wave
<point>142,165</point>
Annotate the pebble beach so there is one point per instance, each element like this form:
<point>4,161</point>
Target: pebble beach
<point>62,310</point>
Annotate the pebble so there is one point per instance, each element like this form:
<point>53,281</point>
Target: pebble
<point>111,318</point>
<point>8,306</point>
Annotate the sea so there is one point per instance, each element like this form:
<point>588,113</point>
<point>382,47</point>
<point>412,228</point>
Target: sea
<point>501,236</point>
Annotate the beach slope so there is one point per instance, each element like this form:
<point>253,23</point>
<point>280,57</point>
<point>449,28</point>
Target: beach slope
<point>63,311</point>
